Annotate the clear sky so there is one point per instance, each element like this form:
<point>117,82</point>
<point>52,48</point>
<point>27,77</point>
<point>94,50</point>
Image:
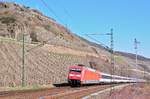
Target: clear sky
<point>129,18</point>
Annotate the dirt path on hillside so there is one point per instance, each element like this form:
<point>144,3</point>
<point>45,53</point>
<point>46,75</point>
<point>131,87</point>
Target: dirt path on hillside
<point>65,50</point>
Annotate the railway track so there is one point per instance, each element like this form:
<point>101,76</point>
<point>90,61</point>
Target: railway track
<point>54,93</point>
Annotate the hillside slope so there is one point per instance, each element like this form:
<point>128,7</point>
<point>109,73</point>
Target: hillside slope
<point>49,49</point>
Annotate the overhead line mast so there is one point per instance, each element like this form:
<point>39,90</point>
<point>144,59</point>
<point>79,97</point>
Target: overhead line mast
<point>111,50</point>
<point>136,51</point>
<point>23,61</point>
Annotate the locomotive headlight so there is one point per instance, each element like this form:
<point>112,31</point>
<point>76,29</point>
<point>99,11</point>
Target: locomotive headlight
<point>78,75</point>
<point>71,75</point>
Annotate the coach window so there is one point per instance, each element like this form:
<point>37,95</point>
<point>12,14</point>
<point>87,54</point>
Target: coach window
<point>106,77</point>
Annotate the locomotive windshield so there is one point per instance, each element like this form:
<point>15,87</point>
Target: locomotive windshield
<point>75,70</point>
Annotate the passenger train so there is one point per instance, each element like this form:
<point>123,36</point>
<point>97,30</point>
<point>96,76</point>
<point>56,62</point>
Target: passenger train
<point>81,75</point>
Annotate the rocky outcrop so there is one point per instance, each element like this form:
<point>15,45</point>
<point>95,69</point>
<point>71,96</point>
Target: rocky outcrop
<point>16,20</point>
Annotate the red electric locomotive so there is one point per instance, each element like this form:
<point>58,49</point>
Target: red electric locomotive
<point>79,75</point>
<point>83,75</point>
